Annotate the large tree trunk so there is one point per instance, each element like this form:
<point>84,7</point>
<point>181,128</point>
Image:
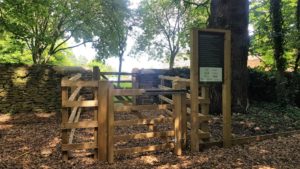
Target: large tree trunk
<point>280,61</point>
<point>297,58</point>
<point>233,15</point>
<point>120,68</point>
<point>172,60</point>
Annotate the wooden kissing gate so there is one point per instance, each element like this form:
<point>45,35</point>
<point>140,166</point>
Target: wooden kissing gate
<point>103,123</point>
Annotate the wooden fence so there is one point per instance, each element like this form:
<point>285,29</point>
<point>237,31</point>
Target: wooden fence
<point>168,82</point>
<point>104,107</point>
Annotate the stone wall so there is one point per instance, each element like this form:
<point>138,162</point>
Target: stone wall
<point>33,88</point>
<point>37,88</point>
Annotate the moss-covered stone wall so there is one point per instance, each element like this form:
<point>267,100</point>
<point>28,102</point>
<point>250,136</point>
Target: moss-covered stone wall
<point>33,88</point>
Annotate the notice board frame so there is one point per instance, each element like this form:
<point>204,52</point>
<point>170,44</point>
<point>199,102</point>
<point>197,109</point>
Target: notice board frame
<point>226,87</point>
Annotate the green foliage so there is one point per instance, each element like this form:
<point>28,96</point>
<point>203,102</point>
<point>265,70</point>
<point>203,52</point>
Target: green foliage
<point>102,67</point>
<point>165,26</point>
<point>261,40</point>
<point>46,25</point>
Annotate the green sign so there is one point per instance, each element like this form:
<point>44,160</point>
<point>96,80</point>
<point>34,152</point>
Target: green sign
<point>211,56</point>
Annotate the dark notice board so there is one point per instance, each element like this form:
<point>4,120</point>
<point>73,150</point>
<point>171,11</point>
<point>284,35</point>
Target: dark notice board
<point>211,50</point>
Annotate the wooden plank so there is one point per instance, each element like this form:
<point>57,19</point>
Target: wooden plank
<point>202,117</point>
<point>64,119</point>
<point>110,126</point>
<point>128,92</point>
<point>203,134</point>
<point>102,120</point>
<point>170,101</point>
<point>194,83</point>
<point>74,111</point>
<point>177,120</point>
<point>184,117</point>
<point>85,103</point>
<point>144,149</point>
<point>201,100</point>
<point>169,112</point>
<point>74,94</point>
<point>226,91</point>
<point>73,130</point>
<point>130,108</point>
<point>121,81</point>
<point>81,146</point>
<point>164,87</point>
<point>75,77</point>
<point>82,124</point>
<point>143,121</point>
<point>95,118</point>
<point>79,83</point>
<point>148,135</point>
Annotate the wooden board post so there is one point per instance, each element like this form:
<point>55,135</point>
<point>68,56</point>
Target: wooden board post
<point>194,91</point>
<point>96,76</point>
<point>102,120</point>
<point>110,127</point>
<point>177,120</point>
<point>64,119</point>
<point>226,92</point>
<point>183,116</point>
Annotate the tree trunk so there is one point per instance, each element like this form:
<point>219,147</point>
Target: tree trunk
<point>233,15</point>
<point>172,60</point>
<point>280,61</point>
<point>120,68</point>
<point>297,58</point>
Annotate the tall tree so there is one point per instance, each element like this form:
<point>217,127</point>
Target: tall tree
<point>162,27</point>
<point>46,25</point>
<point>278,48</point>
<point>234,15</point>
<point>297,60</point>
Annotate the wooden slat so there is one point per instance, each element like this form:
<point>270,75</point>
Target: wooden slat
<point>164,87</point>
<point>169,112</point>
<point>202,117</point>
<point>128,92</point>
<point>110,125</point>
<point>203,134</point>
<point>81,146</point>
<point>201,100</point>
<point>75,77</point>
<point>144,135</point>
<point>73,113</point>
<point>170,101</point>
<point>177,119</point>
<point>121,81</point>
<point>82,124</point>
<point>75,93</point>
<point>85,103</point>
<point>144,149</point>
<point>64,119</point>
<point>73,130</point>
<point>143,121</point>
<point>79,83</point>
<point>131,108</point>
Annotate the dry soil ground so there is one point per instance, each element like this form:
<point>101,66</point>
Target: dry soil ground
<point>33,141</point>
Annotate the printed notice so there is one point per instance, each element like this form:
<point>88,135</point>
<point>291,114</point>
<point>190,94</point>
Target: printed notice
<point>211,74</point>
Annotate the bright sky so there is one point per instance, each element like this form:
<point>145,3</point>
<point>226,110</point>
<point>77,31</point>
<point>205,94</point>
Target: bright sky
<point>128,63</point>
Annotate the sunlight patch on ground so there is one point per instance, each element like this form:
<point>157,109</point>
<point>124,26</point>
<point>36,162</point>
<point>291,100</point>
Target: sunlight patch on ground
<point>45,115</point>
<point>149,159</point>
<point>265,167</point>
<point>5,118</point>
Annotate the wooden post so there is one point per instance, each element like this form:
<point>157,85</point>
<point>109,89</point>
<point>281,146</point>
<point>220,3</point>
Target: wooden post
<point>110,127</point>
<point>194,91</point>
<point>96,76</point>
<point>226,92</point>
<point>102,120</point>
<point>64,119</point>
<point>177,120</point>
<point>183,116</point>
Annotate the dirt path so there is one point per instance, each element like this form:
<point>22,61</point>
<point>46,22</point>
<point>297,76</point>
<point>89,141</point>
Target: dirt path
<point>33,141</point>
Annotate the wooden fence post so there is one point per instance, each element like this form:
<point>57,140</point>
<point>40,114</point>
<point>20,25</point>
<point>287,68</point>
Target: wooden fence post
<point>102,120</point>
<point>110,127</point>
<point>96,76</point>
<point>205,110</point>
<point>64,119</point>
<point>183,115</point>
<point>177,120</point>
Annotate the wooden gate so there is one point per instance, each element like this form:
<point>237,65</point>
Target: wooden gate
<point>102,102</point>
